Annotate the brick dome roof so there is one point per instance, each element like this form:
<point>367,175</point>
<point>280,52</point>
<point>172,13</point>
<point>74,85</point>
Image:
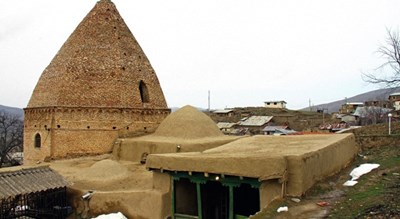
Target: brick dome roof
<point>100,65</point>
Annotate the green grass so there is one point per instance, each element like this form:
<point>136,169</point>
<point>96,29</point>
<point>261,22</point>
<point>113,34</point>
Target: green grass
<point>374,190</point>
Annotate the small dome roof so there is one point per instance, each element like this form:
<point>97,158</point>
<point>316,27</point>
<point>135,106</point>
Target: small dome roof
<point>188,123</point>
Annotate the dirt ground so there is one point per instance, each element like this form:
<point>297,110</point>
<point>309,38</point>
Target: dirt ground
<point>375,196</point>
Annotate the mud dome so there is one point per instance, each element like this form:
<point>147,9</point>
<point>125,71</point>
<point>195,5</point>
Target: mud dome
<point>185,130</point>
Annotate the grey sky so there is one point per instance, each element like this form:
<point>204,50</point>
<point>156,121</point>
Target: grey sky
<point>244,52</point>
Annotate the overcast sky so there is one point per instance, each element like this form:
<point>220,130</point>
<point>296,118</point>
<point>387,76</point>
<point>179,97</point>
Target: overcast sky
<point>244,52</point>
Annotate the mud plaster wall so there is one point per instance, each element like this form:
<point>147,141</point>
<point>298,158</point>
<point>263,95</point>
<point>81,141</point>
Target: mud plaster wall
<point>270,190</point>
<point>133,149</point>
<point>133,204</point>
<point>79,131</point>
<point>305,170</point>
<point>155,203</point>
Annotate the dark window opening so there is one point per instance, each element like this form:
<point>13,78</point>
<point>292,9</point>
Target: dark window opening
<point>246,200</point>
<point>38,141</point>
<point>185,197</point>
<point>58,126</point>
<point>88,127</point>
<point>114,127</point>
<point>215,200</point>
<point>144,93</point>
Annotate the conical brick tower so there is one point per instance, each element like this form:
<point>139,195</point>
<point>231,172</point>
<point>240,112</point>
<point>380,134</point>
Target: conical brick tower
<point>99,84</point>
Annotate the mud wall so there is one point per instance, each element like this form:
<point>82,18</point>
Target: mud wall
<point>305,170</point>
<point>133,149</point>
<point>138,204</point>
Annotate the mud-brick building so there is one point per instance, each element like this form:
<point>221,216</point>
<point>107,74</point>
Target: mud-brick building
<point>99,84</point>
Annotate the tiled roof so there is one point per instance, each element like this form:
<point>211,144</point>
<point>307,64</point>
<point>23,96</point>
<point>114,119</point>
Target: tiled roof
<point>30,180</point>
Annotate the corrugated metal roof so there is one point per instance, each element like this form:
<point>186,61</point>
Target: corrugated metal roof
<point>364,111</point>
<point>255,121</point>
<point>225,124</point>
<point>30,180</point>
<point>223,111</point>
<point>355,103</point>
<point>272,128</point>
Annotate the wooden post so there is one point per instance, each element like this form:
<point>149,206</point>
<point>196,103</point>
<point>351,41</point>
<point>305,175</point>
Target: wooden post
<point>199,207</point>
<point>231,214</point>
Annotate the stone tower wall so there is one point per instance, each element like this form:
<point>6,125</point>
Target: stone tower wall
<point>37,122</point>
<point>71,132</point>
<point>100,84</point>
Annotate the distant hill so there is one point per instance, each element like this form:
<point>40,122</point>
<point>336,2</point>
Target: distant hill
<point>381,94</point>
<point>12,110</point>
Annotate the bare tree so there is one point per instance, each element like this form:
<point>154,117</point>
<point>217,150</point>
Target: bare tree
<point>11,136</point>
<point>391,52</point>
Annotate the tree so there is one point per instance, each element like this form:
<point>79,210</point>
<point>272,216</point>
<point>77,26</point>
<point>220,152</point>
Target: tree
<point>391,53</point>
<point>11,136</point>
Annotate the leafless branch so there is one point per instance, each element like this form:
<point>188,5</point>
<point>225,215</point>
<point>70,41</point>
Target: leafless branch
<point>391,52</point>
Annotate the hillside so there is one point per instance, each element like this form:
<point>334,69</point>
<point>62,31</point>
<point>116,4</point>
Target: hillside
<point>381,94</point>
<point>297,120</point>
<point>12,110</point>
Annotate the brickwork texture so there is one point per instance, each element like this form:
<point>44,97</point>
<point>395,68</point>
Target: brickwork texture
<point>99,83</point>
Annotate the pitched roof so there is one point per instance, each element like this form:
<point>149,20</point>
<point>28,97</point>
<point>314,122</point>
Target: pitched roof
<point>30,180</point>
<point>255,121</point>
<point>100,65</point>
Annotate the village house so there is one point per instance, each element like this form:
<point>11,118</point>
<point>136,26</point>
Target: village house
<point>349,108</point>
<point>279,104</point>
<point>380,103</point>
<point>255,124</point>
<point>278,130</point>
<point>224,113</point>
<point>367,115</point>
<point>394,99</point>
<point>226,127</point>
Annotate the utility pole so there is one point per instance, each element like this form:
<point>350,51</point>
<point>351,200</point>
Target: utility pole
<point>208,100</point>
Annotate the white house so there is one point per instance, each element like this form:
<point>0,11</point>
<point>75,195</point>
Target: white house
<point>394,98</point>
<point>280,104</point>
